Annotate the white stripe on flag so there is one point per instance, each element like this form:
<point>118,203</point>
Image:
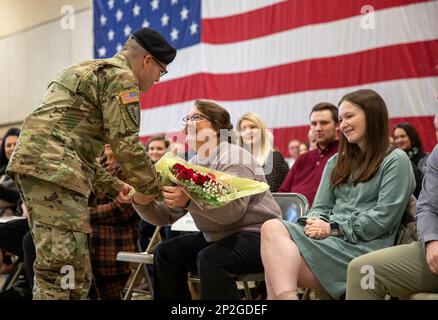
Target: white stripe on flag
<point>223,8</point>
<point>416,23</point>
<point>404,98</point>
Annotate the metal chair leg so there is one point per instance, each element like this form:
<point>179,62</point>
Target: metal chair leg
<point>306,294</point>
<point>247,290</point>
<point>12,277</point>
<point>148,280</point>
<point>128,293</point>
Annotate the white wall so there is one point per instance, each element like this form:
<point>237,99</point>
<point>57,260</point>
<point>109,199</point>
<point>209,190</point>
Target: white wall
<point>29,60</point>
<point>20,15</point>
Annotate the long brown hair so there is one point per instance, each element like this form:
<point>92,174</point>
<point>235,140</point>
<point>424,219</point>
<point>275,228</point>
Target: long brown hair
<point>352,162</point>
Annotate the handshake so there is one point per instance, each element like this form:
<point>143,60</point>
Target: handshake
<point>128,193</point>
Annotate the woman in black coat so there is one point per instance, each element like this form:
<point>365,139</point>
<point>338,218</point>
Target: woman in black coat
<point>11,234</point>
<point>406,138</point>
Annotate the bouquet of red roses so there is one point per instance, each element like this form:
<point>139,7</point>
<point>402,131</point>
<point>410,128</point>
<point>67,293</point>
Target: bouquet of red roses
<point>206,187</point>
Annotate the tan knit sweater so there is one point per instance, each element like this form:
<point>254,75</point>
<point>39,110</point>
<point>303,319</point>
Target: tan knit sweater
<point>244,214</point>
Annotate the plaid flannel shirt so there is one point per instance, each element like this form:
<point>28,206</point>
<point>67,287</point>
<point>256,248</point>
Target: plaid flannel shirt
<point>115,227</point>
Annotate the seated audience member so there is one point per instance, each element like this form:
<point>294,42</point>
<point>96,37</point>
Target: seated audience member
<point>407,139</point>
<point>14,237</point>
<point>305,175</point>
<point>255,137</point>
<point>294,151</point>
<point>114,228</point>
<point>405,269</point>
<point>8,190</point>
<point>363,193</point>
<point>11,238</point>
<point>9,202</point>
<point>156,147</point>
<point>228,243</point>
<point>313,144</point>
<point>304,147</point>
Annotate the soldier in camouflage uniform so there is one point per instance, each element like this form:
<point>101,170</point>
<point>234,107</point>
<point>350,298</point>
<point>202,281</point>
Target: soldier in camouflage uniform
<point>54,163</point>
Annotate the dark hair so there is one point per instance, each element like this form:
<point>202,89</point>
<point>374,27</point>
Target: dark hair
<point>158,138</point>
<point>322,106</point>
<point>411,133</point>
<point>3,159</point>
<point>352,161</point>
<point>218,116</point>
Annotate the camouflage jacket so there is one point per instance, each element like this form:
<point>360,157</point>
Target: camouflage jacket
<point>87,105</point>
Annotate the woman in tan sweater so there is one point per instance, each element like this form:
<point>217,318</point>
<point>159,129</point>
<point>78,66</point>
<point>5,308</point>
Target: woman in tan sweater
<point>229,241</point>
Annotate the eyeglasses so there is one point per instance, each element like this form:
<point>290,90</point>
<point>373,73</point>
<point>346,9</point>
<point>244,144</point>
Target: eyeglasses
<point>194,118</point>
<point>163,70</point>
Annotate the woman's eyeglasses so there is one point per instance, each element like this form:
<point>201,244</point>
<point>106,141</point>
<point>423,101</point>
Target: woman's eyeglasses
<point>194,118</point>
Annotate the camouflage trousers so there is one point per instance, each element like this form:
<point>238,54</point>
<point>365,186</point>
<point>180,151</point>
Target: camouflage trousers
<point>62,266</point>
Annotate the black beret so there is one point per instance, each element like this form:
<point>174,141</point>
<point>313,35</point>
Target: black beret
<point>155,44</point>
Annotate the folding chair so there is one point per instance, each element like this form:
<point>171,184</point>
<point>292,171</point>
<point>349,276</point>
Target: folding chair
<point>143,259</point>
<point>407,231</point>
<point>292,205</point>
<point>13,276</point>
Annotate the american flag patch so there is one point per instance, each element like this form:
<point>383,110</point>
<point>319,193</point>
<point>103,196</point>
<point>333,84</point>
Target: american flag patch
<point>129,97</point>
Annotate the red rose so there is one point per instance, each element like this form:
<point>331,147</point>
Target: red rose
<point>190,172</point>
<point>196,178</point>
<point>205,179</point>
<point>177,167</point>
<point>187,174</point>
<point>199,179</point>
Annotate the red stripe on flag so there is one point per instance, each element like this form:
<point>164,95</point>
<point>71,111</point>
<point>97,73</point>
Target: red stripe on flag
<point>403,61</point>
<point>289,15</point>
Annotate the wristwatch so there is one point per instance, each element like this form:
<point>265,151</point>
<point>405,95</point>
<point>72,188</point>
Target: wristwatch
<point>334,229</point>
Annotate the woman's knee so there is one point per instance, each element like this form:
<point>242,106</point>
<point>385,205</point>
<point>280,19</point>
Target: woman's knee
<point>208,259</point>
<point>163,252</point>
<point>272,229</point>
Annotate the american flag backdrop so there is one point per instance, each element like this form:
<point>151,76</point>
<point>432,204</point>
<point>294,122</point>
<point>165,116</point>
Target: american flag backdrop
<point>279,58</point>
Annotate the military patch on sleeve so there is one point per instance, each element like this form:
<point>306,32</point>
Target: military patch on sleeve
<point>134,113</point>
<point>129,97</point>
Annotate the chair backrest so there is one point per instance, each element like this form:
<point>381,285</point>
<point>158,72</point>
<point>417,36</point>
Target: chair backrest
<point>407,231</point>
<point>155,240</point>
<point>293,205</point>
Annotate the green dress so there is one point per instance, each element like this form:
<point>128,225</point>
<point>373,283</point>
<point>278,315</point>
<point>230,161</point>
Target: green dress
<point>368,214</point>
